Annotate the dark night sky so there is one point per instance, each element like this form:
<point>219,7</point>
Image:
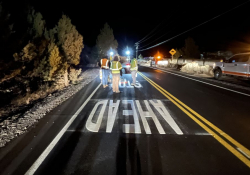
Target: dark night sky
<point>131,22</point>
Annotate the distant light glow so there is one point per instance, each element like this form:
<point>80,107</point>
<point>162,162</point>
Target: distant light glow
<point>111,53</point>
<point>159,57</point>
<point>127,52</point>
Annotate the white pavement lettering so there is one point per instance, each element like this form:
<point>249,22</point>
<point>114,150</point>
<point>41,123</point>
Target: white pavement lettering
<point>94,127</point>
<point>165,114</point>
<point>131,128</point>
<point>112,115</point>
<point>148,114</point>
<point>126,84</point>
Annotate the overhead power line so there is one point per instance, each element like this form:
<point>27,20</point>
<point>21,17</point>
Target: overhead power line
<point>193,27</point>
<point>144,38</point>
<point>158,38</point>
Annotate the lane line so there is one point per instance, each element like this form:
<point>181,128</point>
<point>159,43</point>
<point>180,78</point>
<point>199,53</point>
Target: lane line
<point>202,82</point>
<point>244,153</point>
<point>203,119</point>
<point>217,137</point>
<point>46,152</point>
<point>222,133</point>
<point>203,134</point>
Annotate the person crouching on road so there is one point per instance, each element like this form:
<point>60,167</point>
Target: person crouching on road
<point>134,69</point>
<point>115,68</point>
<point>105,65</point>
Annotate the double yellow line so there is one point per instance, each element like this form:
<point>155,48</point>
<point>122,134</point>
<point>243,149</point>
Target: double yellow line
<point>234,147</point>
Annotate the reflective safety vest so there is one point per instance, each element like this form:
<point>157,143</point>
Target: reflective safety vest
<point>115,67</point>
<point>104,63</point>
<point>134,65</point>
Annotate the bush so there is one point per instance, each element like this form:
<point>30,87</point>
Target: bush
<point>28,53</point>
<point>61,79</point>
<point>73,75</point>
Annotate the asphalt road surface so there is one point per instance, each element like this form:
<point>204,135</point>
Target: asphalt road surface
<point>167,124</point>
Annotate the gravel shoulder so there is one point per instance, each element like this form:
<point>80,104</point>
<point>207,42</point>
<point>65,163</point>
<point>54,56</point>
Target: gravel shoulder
<point>18,124</point>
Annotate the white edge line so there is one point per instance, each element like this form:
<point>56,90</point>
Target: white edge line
<point>245,154</point>
<point>202,82</point>
<point>45,153</point>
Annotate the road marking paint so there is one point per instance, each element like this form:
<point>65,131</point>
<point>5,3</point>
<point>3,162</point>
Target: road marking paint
<point>222,133</point>
<point>205,82</point>
<point>165,114</point>
<point>90,125</point>
<point>126,84</point>
<point>112,115</point>
<point>46,152</point>
<point>135,127</point>
<point>217,137</point>
<point>131,128</point>
<point>244,153</point>
<point>203,134</point>
<point>149,114</point>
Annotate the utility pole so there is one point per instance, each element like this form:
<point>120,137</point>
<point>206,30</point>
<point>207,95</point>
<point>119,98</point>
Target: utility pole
<point>136,46</point>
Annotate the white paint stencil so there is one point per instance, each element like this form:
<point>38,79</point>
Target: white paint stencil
<point>134,127</point>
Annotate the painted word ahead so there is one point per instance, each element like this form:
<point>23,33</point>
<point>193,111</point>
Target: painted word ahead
<point>113,108</point>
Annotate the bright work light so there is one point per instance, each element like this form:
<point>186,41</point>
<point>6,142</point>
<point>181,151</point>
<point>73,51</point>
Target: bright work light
<point>111,53</point>
<point>127,52</point>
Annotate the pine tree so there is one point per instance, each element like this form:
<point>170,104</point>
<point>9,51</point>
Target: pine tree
<point>190,49</point>
<point>69,40</point>
<point>35,19</point>
<point>105,41</point>
<point>178,53</point>
<point>54,61</point>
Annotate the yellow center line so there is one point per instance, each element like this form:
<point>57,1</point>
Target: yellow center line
<point>204,120</point>
<point>215,135</point>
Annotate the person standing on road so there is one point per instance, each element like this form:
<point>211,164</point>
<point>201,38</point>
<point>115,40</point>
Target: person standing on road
<point>134,69</point>
<point>115,68</point>
<point>105,65</point>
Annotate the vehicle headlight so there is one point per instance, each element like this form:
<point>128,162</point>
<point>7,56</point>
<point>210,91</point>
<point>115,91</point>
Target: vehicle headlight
<point>213,65</point>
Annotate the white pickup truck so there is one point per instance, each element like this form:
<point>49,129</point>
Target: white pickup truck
<point>237,65</point>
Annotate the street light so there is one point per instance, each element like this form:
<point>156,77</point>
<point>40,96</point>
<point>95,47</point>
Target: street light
<point>159,57</point>
<point>111,54</point>
<point>128,52</point>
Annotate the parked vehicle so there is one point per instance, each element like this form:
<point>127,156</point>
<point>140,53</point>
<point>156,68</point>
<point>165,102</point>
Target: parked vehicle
<point>238,65</point>
<point>125,66</point>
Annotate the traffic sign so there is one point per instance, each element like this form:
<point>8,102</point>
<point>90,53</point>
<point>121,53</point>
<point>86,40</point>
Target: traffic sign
<point>172,52</point>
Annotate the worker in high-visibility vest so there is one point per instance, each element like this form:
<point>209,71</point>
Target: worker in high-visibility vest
<point>134,69</point>
<point>115,68</point>
<point>105,65</point>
